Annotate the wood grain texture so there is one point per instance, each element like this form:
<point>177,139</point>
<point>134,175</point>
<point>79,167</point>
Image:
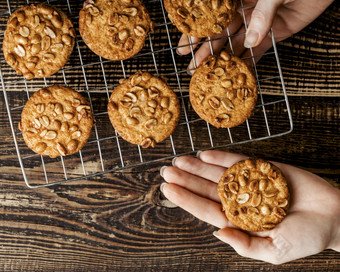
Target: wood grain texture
<point>120,221</point>
<point>312,53</point>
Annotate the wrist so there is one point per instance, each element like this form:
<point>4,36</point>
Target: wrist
<point>335,242</point>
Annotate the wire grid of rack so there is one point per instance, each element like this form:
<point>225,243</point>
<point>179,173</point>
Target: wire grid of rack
<point>118,154</point>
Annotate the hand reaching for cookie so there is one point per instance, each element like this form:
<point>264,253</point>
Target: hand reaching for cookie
<point>285,17</point>
<point>311,225</point>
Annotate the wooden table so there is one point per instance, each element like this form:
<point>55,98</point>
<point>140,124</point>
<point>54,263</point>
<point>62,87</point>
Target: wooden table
<point>120,221</point>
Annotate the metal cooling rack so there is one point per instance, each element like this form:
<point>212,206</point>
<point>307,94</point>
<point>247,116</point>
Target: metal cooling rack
<point>190,127</point>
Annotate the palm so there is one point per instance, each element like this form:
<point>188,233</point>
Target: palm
<point>306,230</point>
<point>305,226</point>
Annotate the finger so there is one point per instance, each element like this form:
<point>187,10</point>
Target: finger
<point>258,51</point>
<point>220,158</point>
<point>184,40</point>
<point>200,207</point>
<point>219,40</point>
<point>195,184</point>
<point>235,24</point>
<point>216,44</point>
<point>199,168</point>
<point>237,41</point>
<point>259,248</point>
<point>261,21</point>
<point>206,49</point>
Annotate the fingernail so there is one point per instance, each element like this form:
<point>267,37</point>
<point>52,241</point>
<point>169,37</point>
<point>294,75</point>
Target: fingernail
<point>161,171</point>
<point>198,154</point>
<point>190,72</point>
<point>173,161</point>
<point>178,53</point>
<point>162,186</point>
<point>251,38</point>
<point>215,233</point>
<point>191,68</point>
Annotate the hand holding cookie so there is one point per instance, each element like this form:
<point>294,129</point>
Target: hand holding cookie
<point>284,17</point>
<point>310,226</point>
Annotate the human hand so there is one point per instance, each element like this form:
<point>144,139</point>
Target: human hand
<point>285,17</point>
<point>311,225</point>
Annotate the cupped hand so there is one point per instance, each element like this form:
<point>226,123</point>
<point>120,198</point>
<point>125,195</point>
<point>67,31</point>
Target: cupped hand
<point>285,17</point>
<point>311,225</point>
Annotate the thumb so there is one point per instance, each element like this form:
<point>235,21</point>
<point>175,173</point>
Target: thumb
<point>259,248</point>
<point>261,21</point>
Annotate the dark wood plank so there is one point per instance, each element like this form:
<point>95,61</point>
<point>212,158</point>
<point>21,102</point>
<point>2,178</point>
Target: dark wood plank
<point>314,52</point>
<point>119,221</point>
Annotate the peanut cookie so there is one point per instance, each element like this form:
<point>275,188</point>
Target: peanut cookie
<point>254,195</point>
<point>200,18</point>
<point>56,121</point>
<point>223,91</point>
<point>143,109</point>
<point>114,29</point>
<point>38,40</point>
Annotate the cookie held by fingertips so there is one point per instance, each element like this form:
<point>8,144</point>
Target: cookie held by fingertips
<point>143,109</point>
<point>38,40</point>
<point>114,29</point>
<point>56,121</point>
<point>254,195</point>
<point>199,18</point>
<point>223,90</point>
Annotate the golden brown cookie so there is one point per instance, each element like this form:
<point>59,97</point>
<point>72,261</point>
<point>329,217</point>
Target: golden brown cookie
<point>56,121</point>
<point>38,40</point>
<point>254,195</point>
<point>143,109</point>
<point>114,29</point>
<point>200,18</point>
<point>223,91</point>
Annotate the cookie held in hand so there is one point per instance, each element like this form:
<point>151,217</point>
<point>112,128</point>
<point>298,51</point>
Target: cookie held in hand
<point>254,195</point>
<point>199,18</point>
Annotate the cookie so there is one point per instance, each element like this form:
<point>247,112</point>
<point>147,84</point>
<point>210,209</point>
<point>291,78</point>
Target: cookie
<point>200,18</point>
<point>38,40</point>
<point>223,91</point>
<point>143,109</point>
<point>56,121</point>
<point>114,29</point>
<point>254,195</point>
